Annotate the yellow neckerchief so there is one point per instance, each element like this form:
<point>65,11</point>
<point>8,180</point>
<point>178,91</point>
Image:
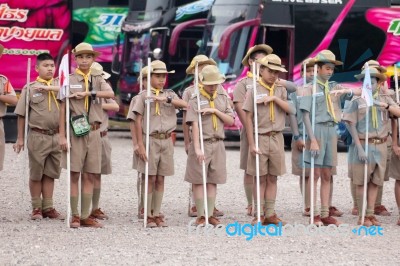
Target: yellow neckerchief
<point>212,104</point>
<point>249,74</point>
<point>51,93</point>
<point>271,104</point>
<point>157,92</point>
<point>329,105</point>
<point>86,78</point>
<point>374,112</point>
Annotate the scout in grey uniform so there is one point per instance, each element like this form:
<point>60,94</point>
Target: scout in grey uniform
<point>378,128</point>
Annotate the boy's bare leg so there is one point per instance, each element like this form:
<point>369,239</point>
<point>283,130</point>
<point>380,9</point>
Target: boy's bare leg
<point>397,195</point>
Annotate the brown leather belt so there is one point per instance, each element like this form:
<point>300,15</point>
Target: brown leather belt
<point>212,140</point>
<point>376,140</point>
<point>159,135</point>
<point>49,132</point>
<point>103,133</point>
<point>327,124</point>
<point>269,134</point>
<point>94,126</point>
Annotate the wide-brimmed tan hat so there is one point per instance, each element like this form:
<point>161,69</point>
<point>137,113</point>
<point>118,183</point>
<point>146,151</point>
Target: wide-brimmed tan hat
<point>210,75</point>
<point>1,49</point>
<point>375,64</point>
<point>202,60</point>
<point>373,72</point>
<point>159,67</point>
<point>310,62</point>
<point>326,56</point>
<point>272,61</point>
<point>97,69</point>
<point>259,47</point>
<point>85,48</point>
<point>144,72</point>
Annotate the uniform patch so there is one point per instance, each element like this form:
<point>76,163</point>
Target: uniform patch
<point>364,105</point>
<point>37,94</point>
<point>249,86</point>
<point>260,96</point>
<point>203,102</point>
<point>79,86</point>
<point>319,94</point>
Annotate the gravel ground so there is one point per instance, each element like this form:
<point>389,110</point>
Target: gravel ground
<point>123,240</point>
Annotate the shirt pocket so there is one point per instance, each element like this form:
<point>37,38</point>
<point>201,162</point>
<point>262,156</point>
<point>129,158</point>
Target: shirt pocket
<point>169,109</point>
<point>320,104</point>
<point>38,102</point>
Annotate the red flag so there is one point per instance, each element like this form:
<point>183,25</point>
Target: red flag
<point>63,75</point>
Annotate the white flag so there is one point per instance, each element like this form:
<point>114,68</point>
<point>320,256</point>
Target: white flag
<point>63,75</point>
<point>367,87</point>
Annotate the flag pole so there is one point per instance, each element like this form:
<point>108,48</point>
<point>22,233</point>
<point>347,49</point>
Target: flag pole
<point>203,164</point>
<point>396,85</point>
<point>314,91</point>
<point>303,165</point>
<point>28,88</point>
<point>256,141</point>
<point>146,177</point>
<point>68,133</point>
<point>139,175</point>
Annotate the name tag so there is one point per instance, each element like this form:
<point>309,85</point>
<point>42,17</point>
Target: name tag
<point>260,96</point>
<point>203,102</point>
<point>149,100</point>
<point>37,94</point>
<point>364,105</point>
<point>319,94</point>
<point>249,86</point>
<point>75,86</point>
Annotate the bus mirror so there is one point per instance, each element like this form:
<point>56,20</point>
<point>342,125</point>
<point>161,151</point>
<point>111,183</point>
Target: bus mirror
<point>157,53</point>
<point>116,64</point>
<point>231,76</point>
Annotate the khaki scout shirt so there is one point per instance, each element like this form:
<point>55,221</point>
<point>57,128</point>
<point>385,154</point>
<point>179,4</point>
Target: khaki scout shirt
<point>355,112</point>
<point>241,88</point>
<point>221,103</point>
<point>295,98</point>
<point>163,123</point>
<point>41,115</point>
<point>265,125</point>
<point>131,114</point>
<point>77,106</point>
<point>190,93</point>
<point>4,86</point>
<point>321,111</point>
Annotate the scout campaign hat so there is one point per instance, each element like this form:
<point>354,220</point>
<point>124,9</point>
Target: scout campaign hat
<point>1,49</point>
<point>326,56</point>
<point>97,69</point>
<point>375,64</point>
<point>143,72</point>
<point>201,59</point>
<point>272,61</point>
<point>373,72</point>
<point>210,75</point>
<point>259,47</point>
<point>310,62</point>
<point>159,67</point>
<point>85,48</point>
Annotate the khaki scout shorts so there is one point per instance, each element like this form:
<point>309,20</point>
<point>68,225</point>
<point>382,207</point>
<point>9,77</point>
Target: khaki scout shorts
<point>2,144</point>
<point>106,156</point>
<point>272,159</point>
<point>389,157</point>
<point>395,167</point>
<point>44,156</point>
<point>377,159</point>
<point>215,163</point>
<point>327,141</point>
<point>244,149</point>
<point>85,153</point>
<point>161,157</point>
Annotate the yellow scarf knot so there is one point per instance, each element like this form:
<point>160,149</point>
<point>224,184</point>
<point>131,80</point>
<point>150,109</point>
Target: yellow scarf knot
<point>86,78</point>
<point>249,74</point>
<point>329,104</point>
<point>212,104</point>
<point>51,93</point>
<point>374,111</point>
<point>157,92</point>
<point>271,104</point>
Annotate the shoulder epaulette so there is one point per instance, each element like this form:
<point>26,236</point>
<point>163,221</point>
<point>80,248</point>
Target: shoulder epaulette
<point>142,92</point>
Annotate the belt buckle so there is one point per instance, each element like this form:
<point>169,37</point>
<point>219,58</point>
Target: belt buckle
<point>375,141</point>
<point>50,132</point>
<point>161,135</point>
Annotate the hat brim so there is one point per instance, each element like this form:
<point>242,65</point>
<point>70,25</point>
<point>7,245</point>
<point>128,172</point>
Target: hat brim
<point>277,68</point>
<point>214,82</point>
<point>265,48</point>
<point>105,75</point>
<point>335,62</point>
<point>162,72</point>
<point>94,53</point>
<point>190,69</point>
<point>381,77</point>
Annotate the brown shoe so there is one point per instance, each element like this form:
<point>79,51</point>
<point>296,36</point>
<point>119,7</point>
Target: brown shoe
<point>53,214</point>
<point>99,214</point>
<point>272,220</point>
<point>214,221</point>
<point>91,222</point>
<point>306,212</point>
<point>381,210</point>
<point>333,211</point>
<point>373,220</point>
<point>37,214</point>
<point>193,211</point>
<point>201,220</point>
<point>317,220</point>
<point>330,220</point>
<point>367,221</point>
<point>354,211</point>
<point>218,213</point>
<point>159,215</point>
<point>255,220</point>
<point>75,222</point>
<point>151,222</point>
<point>160,222</point>
<point>250,210</point>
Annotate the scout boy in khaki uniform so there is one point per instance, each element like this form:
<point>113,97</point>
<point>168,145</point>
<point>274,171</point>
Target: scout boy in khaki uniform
<point>323,145</point>
<point>378,128</point>
<point>86,111</point>
<point>162,123</point>
<point>7,96</point>
<point>239,96</point>
<point>107,105</point>
<point>43,150</point>
<point>272,107</point>
<point>188,93</point>
<point>216,112</point>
